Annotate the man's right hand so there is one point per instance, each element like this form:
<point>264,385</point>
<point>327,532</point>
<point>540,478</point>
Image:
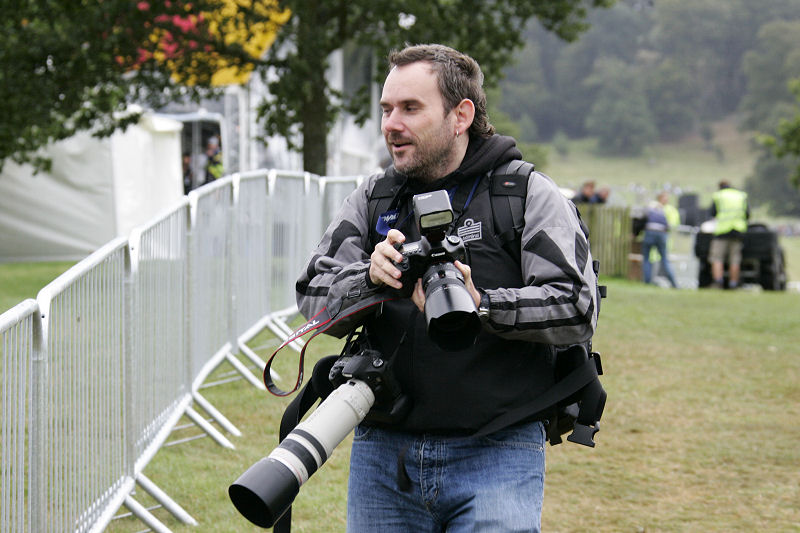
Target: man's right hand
<point>381,269</point>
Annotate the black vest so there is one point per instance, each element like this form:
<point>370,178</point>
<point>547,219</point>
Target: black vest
<point>459,392</point>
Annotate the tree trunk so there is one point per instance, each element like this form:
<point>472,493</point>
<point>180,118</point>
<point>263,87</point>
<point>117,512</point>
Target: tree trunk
<point>315,126</point>
<point>313,53</point>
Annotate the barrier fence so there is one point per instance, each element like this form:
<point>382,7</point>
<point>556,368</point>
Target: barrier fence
<point>99,369</point>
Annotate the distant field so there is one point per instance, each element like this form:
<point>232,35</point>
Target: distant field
<point>684,164</point>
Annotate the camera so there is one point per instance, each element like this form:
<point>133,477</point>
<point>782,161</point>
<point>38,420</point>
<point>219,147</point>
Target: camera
<point>365,387</point>
<point>450,313</point>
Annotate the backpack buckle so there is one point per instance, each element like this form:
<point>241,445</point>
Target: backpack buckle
<point>583,434</point>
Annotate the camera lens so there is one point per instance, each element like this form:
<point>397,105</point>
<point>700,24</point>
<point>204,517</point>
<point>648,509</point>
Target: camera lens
<point>452,318</point>
<point>266,490</point>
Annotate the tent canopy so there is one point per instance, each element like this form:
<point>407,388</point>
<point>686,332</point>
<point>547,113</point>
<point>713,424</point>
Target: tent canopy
<point>97,189</point>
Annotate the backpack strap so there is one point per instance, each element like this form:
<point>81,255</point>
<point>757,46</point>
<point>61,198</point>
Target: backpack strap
<point>508,189</point>
<point>384,196</point>
<point>579,386</point>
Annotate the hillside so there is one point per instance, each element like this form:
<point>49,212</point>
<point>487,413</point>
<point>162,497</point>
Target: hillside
<point>686,165</point>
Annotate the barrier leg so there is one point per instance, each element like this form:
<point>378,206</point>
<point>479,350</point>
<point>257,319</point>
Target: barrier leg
<point>245,372</point>
<point>168,503</point>
<point>209,429</point>
<point>145,516</point>
<point>216,415</point>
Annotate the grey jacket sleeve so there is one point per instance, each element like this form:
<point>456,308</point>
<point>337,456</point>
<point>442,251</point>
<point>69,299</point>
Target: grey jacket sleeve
<point>336,275</point>
<point>558,303</point>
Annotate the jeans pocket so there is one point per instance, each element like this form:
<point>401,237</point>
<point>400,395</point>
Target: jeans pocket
<point>362,432</point>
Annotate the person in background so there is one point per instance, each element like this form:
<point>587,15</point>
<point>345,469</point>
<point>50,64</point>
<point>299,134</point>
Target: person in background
<point>213,160</point>
<point>602,195</point>
<point>731,211</point>
<point>188,175</point>
<point>586,195</point>
<point>661,216</point>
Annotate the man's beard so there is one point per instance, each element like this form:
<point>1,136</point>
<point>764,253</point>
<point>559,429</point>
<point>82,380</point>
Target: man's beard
<point>430,159</point>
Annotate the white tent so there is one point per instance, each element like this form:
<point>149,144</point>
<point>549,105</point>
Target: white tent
<point>97,189</point>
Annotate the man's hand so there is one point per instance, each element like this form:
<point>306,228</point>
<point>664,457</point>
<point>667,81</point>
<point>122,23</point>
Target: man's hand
<point>418,296</point>
<point>381,269</point>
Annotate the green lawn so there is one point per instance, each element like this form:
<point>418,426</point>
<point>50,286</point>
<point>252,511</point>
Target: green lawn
<point>19,281</point>
<point>699,433</point>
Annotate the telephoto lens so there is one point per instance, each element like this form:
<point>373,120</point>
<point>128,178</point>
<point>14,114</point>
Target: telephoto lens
<point>266,490</point>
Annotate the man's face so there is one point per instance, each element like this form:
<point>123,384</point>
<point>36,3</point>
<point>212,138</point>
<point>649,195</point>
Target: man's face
<point>418,133</point>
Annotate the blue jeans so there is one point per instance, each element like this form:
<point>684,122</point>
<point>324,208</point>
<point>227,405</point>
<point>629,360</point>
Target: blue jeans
<point>458,484</point>
<point>657,239</point>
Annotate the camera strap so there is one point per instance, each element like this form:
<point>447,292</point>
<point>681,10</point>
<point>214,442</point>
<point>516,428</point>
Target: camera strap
<point>319,323</point>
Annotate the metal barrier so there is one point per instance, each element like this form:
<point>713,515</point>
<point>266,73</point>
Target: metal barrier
<point>86,475</point>
<point>158,377</point>
<point>20,357</point>
<point>98,371</point>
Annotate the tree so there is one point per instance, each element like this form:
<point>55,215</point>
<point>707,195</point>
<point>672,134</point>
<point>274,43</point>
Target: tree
<point>304,105</point>
<point>72,66</point>
<point>768,68</point>
<point>769,184</point>
<point>620,117</point>
<point>786,143</point>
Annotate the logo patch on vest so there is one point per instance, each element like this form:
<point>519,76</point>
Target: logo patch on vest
<point>470,231</point>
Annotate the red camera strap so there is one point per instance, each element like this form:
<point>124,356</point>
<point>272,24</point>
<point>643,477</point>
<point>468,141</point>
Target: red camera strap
<point>319,323</point>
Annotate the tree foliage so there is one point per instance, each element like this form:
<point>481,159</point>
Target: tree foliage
<point>691,54</point>
<point>72,66</point>
<point>304,105</point>
<point>785,144</point>
<point>620,117</point>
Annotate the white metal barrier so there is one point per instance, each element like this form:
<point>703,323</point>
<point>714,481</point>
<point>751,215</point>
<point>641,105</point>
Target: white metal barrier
<point>84,317</point>
<point>20,360</point>
<point>99,369</point>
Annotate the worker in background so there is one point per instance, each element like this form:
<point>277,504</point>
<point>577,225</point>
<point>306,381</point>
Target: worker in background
<point>730,209</point>
<point>661,216</point>
<point>213,161</point>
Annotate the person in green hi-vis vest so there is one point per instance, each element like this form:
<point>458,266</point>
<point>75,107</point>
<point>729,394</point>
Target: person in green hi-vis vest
<point>731,211</point>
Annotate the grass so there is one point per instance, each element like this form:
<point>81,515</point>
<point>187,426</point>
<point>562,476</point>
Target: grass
<point>684,164</point>
<point>699,433</point>
<point>19,281</point>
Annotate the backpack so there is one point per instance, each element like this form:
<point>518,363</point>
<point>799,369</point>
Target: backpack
<point>577,399</point>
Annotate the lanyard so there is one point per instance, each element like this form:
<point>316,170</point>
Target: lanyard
<point>388,219</point>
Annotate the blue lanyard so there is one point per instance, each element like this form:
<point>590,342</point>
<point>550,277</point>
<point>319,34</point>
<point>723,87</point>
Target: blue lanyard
<point>383,227</point>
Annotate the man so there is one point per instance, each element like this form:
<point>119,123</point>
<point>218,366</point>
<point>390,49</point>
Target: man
<point>213,160</point>
<point>660,218</point>
<point>730,208</point>
<point>427,472</point>
<point>586,194</point>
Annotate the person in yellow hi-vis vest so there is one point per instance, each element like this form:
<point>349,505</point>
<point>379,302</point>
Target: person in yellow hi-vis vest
<point>731,210</point>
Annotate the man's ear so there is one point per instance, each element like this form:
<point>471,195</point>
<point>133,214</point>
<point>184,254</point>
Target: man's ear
<point>465,114</point>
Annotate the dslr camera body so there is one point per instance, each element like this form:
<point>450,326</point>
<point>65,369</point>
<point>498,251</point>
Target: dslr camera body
<point>450,312</point>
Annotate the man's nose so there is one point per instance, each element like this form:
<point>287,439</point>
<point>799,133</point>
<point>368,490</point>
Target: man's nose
<point>391,122</point>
